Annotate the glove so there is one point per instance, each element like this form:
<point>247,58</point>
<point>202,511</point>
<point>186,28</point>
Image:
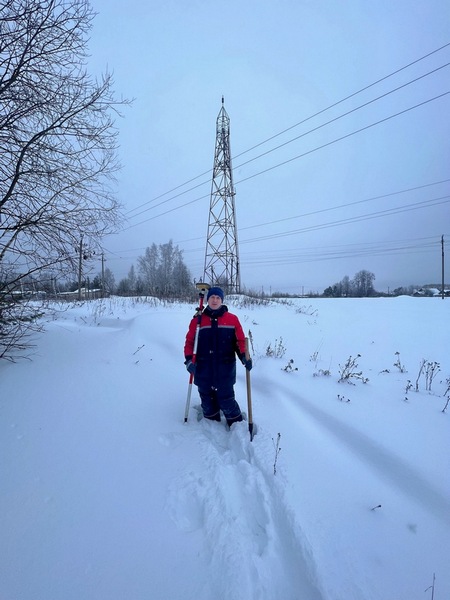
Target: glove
<point>247,362</point>
<point>190,366</point>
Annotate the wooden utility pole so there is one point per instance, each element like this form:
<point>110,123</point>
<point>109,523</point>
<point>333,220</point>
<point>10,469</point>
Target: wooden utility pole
<point>80,266</point>
<point>103,274</point>
<point>432,586</point>
<point>443,270</point>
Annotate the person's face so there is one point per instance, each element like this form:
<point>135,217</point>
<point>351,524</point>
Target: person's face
<point>214,302</point>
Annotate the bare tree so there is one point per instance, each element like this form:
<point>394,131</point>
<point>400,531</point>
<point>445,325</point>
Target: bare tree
<point>132,279</point>
<point>58,143</point>
<point>167,255</point>
<point>163,271</point>
<point>346,286</point>
<point>182,281</point>
<point>362,284</point>
<point>147,267</point>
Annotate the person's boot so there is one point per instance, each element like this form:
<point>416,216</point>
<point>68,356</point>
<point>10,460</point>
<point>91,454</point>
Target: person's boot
<point>234,420</point>
<point>215,417</point>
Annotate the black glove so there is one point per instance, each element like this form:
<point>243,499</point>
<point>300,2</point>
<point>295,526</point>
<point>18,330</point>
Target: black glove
<point>190,366</point>
<point>247,362</point>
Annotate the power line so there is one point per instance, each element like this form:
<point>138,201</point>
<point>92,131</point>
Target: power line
<point>331,208</point>
<point>343,137</point>
<point>302,155</point>
<point>343,115</point>
<point>288,142</point>
<point>354,203</point>
<point>347,98</point>
<point>378,214</point>
<point>357,219</point>
<point>306,255</point>
<point>294,126</point>
<point>312,254</point>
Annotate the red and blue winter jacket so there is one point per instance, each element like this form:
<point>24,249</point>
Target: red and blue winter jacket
<point>220,339</point>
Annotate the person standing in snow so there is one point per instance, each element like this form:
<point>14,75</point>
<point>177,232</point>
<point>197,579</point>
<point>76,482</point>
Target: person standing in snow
<point>220,339</point>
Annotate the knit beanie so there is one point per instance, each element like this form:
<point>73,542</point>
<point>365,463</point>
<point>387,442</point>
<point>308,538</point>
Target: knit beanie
<point>215,291</point>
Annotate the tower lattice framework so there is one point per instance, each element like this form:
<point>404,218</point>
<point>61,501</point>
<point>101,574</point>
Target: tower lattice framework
<point>222,251</point>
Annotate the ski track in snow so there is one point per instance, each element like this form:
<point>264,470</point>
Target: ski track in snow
<point>234,498</point>
<point>402,475</point>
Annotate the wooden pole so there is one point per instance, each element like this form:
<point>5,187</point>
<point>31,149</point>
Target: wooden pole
<point>249,393</point>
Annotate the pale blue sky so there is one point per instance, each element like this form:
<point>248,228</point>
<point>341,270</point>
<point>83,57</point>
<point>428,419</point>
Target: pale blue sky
<point>278,64</point>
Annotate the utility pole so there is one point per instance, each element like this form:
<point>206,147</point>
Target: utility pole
<point>80,266</point>
<point>432,586</point>
<point>222,254</point>
<point>443,270</point>
<point>83,254</point>
<point>103,274</point>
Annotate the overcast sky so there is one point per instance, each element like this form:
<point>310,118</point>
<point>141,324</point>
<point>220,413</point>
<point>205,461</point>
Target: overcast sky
<point>345,94</point>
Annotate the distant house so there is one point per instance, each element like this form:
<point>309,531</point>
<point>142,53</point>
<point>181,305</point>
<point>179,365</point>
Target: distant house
<point>430,292</point>
<point>26,295</point>
<point>84,293</point>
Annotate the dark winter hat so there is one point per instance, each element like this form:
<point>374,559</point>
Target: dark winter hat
<point>215,291</point>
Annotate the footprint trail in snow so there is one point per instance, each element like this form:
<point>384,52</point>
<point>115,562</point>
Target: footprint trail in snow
<point>253,546</point>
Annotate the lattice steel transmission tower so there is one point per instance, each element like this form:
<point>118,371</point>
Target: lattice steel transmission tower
<point>222,252</point>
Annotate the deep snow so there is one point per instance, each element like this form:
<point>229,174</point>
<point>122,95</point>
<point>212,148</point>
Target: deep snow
<point>108,495</point>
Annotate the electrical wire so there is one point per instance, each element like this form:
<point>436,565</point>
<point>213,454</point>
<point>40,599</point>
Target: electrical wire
<point>383,249</point>
<point>317,212</point>
<point>353,110</point>
<point>289,142</point>
<point>337,207</point>
<point>367,87</point>
<point>300,123</point>
<point>302,155</point>
<point>356,219</point>
<point>306,255</point>
<point>343,137</point>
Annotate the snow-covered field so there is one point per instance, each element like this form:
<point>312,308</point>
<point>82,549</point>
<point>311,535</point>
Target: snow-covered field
<point>106,494</point>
